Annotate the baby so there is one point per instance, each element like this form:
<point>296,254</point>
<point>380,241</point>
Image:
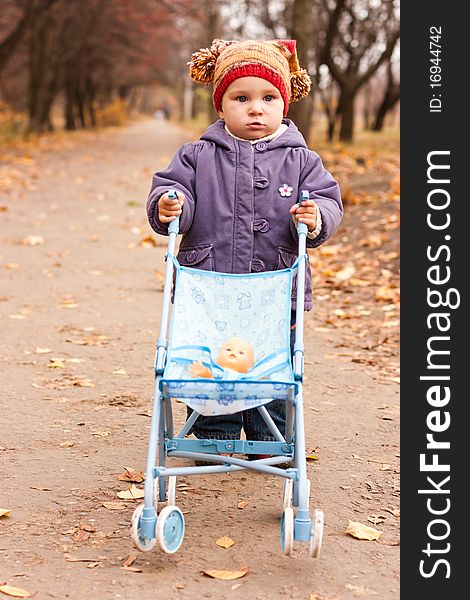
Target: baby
<point>235,354</point>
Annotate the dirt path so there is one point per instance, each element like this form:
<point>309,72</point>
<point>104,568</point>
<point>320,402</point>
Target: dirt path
<point>79,312</point>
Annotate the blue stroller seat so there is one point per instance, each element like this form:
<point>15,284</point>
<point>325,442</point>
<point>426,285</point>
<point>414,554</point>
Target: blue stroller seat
<point>209,308</point>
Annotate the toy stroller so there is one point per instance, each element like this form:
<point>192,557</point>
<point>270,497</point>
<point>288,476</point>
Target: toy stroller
<point>208,308</point>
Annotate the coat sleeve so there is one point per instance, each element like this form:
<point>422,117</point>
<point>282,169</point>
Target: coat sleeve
<point>180,175</point>
<point>326,193</point>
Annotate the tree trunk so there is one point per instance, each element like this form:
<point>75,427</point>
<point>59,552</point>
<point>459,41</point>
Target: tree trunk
<point>391,97</point>
<point>212,10</point>
<point>302,112</point>
<point>347,116</point>
<point>44,70</point>
<point>68,109</point>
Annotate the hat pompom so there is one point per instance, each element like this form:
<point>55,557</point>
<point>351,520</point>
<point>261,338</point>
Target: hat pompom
<point>202,63</point>
<point>300,84</point>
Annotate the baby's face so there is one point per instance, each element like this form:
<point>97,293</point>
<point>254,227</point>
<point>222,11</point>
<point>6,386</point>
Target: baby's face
<point>252,108</point>
<point>236,354</point>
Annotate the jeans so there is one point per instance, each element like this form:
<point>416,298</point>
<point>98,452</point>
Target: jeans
<point>228,427</point>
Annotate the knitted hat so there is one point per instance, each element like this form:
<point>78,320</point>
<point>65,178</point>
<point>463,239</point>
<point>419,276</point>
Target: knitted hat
<point>274,60</point>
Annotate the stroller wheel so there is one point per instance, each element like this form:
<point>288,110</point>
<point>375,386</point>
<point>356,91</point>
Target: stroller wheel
<point>316,533</point>
<point>287,531</point>
<point>288,491</point>
<point>170,529</point>
<point>141,543</point>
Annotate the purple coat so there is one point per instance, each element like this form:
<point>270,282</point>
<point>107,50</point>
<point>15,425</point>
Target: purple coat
<point>235,219</point>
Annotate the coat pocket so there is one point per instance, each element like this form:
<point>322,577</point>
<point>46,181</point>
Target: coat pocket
<point>286,259</point>
<point>198,257</point>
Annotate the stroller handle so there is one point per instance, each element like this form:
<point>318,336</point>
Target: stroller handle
<point>174,225</point>
<point>302,227</point>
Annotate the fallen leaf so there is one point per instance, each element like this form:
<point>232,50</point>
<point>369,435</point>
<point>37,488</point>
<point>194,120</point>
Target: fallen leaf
<point>360,590</point>
<point>179,586</point>
<point>132,569</point>
<point>242,504</point>
<point>42,350</point>
<point>311,457</point>
<point>32,240</point>
<point>4,512</point>
<point>120,372</point>
<point>345,273</point>
<point>114,505</point>
<point>56,363</point>
<point>132,493</point>
<point>67,444</point>
<point>147,242</point>
<point>216,574</point>
<point>14,591</point>
<point>129,560</point>
<point>376,519</point>
<point>362,532</point>
<point>395,511</point>
<point>132,476</point>
<point>83,383</point>
<point>225,542</point>
<point>81,535</point>
<point>76,559</point>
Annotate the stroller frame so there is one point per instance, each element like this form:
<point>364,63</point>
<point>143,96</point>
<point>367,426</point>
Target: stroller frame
<point>167,528</point>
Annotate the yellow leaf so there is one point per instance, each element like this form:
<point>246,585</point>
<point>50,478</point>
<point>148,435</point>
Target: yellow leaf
<point>67,444</point>
<point>132,493</point>
<point>242,504</point>
<point>32,240</point>
<point>42,350</point>
<point>120,372</point>
<point>311,457</point>
<point>345,273</point>
<point>225,542</point>
<point>14,591</point>
<point>4,512</point>
<point>147,242</point>
<point>387,294</point>
<point>362,532</point>
<point>56,363</point>
<point>216,574</point>
<point>114,505</point>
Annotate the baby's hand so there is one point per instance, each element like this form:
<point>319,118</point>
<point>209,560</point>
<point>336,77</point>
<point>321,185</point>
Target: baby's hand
<point>307,213</point>
<point>170,208</point>
<point>197,369</point>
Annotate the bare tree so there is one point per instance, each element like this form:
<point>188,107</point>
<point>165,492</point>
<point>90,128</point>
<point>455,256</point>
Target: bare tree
<point>31,9</point>
<point>389,100</point>
<point>360,36</point>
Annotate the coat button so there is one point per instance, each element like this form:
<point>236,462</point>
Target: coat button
<point>257,265</point>
<point>261,146</point>
<point>191,256</point>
